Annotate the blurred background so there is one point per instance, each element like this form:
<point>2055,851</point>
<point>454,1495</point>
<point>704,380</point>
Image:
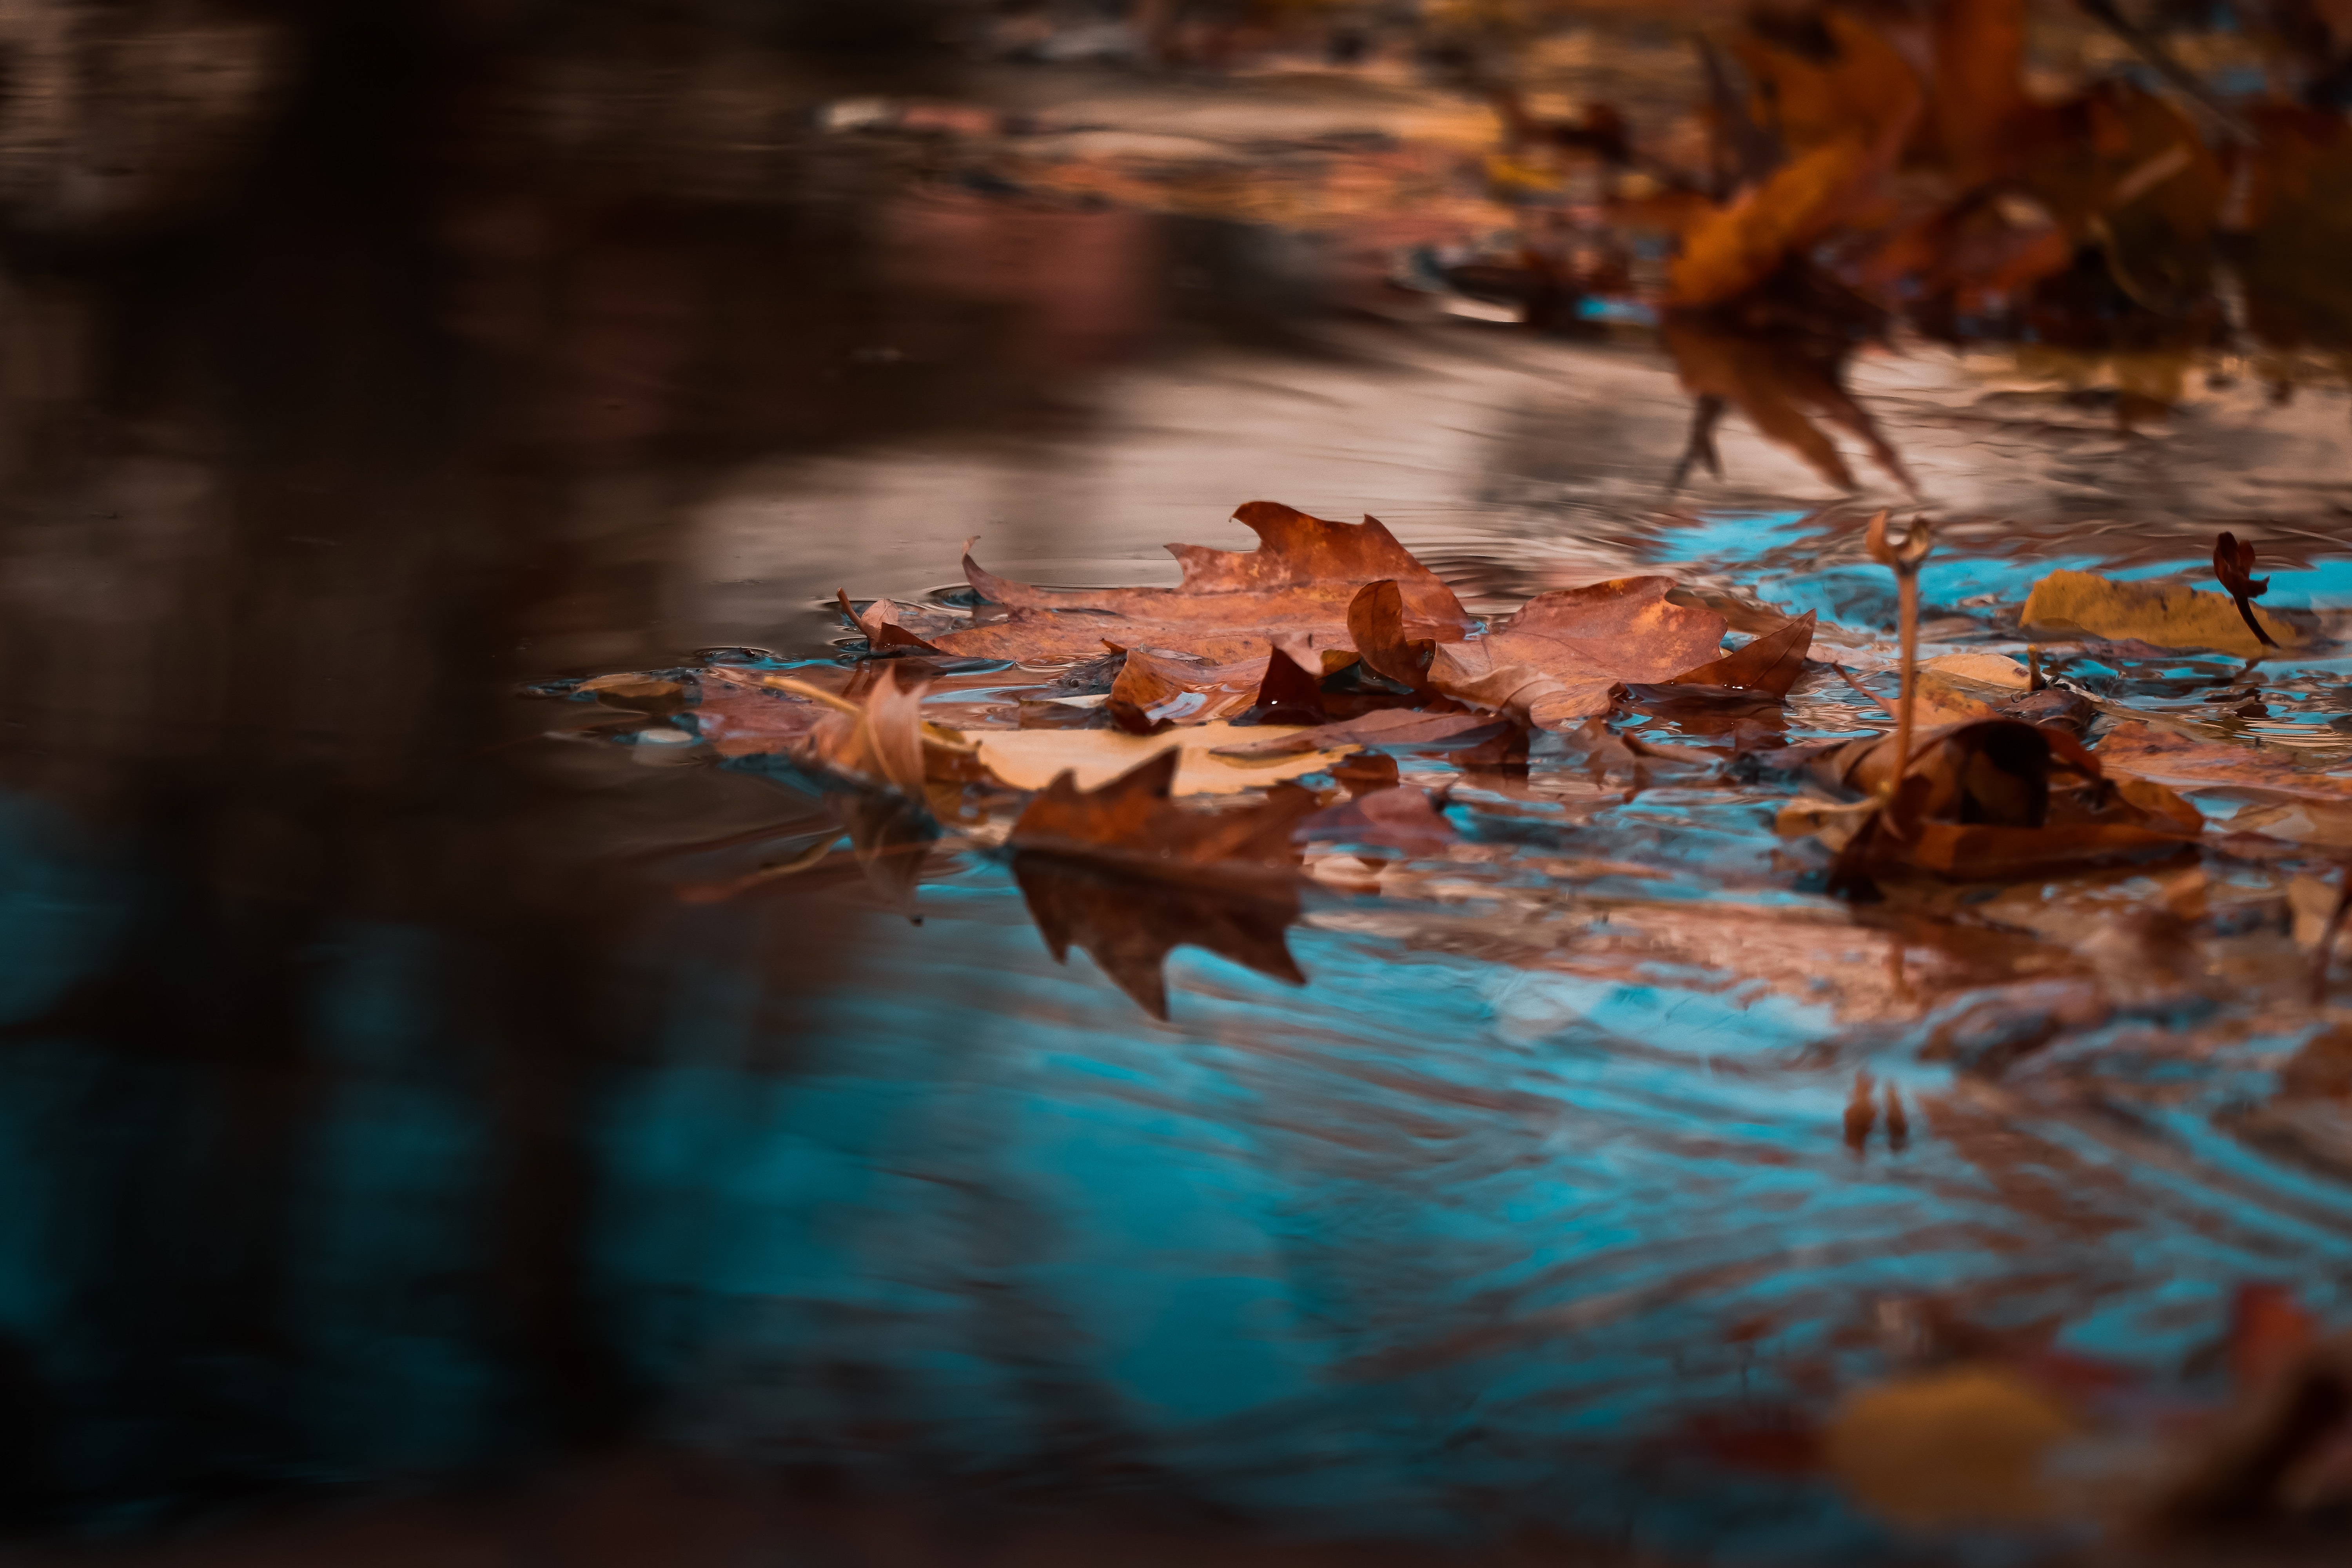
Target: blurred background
<point>393,1169</point>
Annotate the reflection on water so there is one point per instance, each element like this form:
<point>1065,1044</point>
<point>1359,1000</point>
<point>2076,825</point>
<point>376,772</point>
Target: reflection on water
<point>377,1112</point>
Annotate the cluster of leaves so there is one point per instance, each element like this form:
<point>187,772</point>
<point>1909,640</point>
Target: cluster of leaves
<point>1881,164</point>
<point>1330,652</point>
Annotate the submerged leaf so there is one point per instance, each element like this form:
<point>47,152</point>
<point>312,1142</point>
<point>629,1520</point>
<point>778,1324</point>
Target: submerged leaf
<point>2171,757</point>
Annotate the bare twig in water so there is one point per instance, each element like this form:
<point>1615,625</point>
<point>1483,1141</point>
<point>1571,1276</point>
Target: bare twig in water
<point>1903,561</point>
<point>1898,1125</point>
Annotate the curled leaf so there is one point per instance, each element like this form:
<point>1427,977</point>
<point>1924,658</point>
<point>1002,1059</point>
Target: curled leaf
<point>882,625</point>
<point>1768,663</point>
<point>1155,687</point>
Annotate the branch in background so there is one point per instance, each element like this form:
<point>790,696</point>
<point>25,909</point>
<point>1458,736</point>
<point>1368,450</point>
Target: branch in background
<point>2151,48</point>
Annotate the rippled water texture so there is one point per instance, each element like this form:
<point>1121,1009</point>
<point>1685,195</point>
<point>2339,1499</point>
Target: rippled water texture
<point>382,1107</point>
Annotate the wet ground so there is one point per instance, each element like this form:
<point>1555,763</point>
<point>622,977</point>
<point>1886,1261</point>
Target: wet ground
<point>379,1119</point>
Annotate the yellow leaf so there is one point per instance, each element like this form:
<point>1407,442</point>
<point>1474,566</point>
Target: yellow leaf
<point>1029,759</point>
<point>2176,617</point>
<point>1961,1446</point>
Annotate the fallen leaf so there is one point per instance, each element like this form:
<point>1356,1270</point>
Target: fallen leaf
<point>1383,727</point>
<point>2174,617</point>
<point>1990,799</point>
<point>1030,759</point>
<point>1291,692</point>
<point>2168,756</point>
<point>1156,687</point>
<point>1232,606</point>
<point>881,741</point>
<point>657,695</point>
<point>2269,1330</point>
<point>1770,662</point>
<point>1561,657</point>
<point>882,624</point>
<point>1125,874</point>
<point>1992,669</point>
<point>1962,1446</point>
<point>2283,1454</point>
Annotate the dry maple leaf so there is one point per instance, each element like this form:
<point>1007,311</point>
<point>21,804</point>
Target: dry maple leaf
<point>1769,663</point>
<point>1560,659</point>
<point>1125,873</point>
<point>1234,604</point>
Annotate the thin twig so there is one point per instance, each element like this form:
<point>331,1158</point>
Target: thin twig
<point>1903,561</point>
<point>2151,48</point>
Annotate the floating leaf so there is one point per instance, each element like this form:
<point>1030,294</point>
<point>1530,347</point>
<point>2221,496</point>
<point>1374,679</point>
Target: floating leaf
<point>1234,604</point>
<point>1769,663</point>
<point>2175,616</point>
<point>1562,657</point>
<point>1384,726</point>
<point>1155,687</point>
<point>1992,799</point>
<point>882,624</point>
<point>1030,759</point>
<point>1125,874</point>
